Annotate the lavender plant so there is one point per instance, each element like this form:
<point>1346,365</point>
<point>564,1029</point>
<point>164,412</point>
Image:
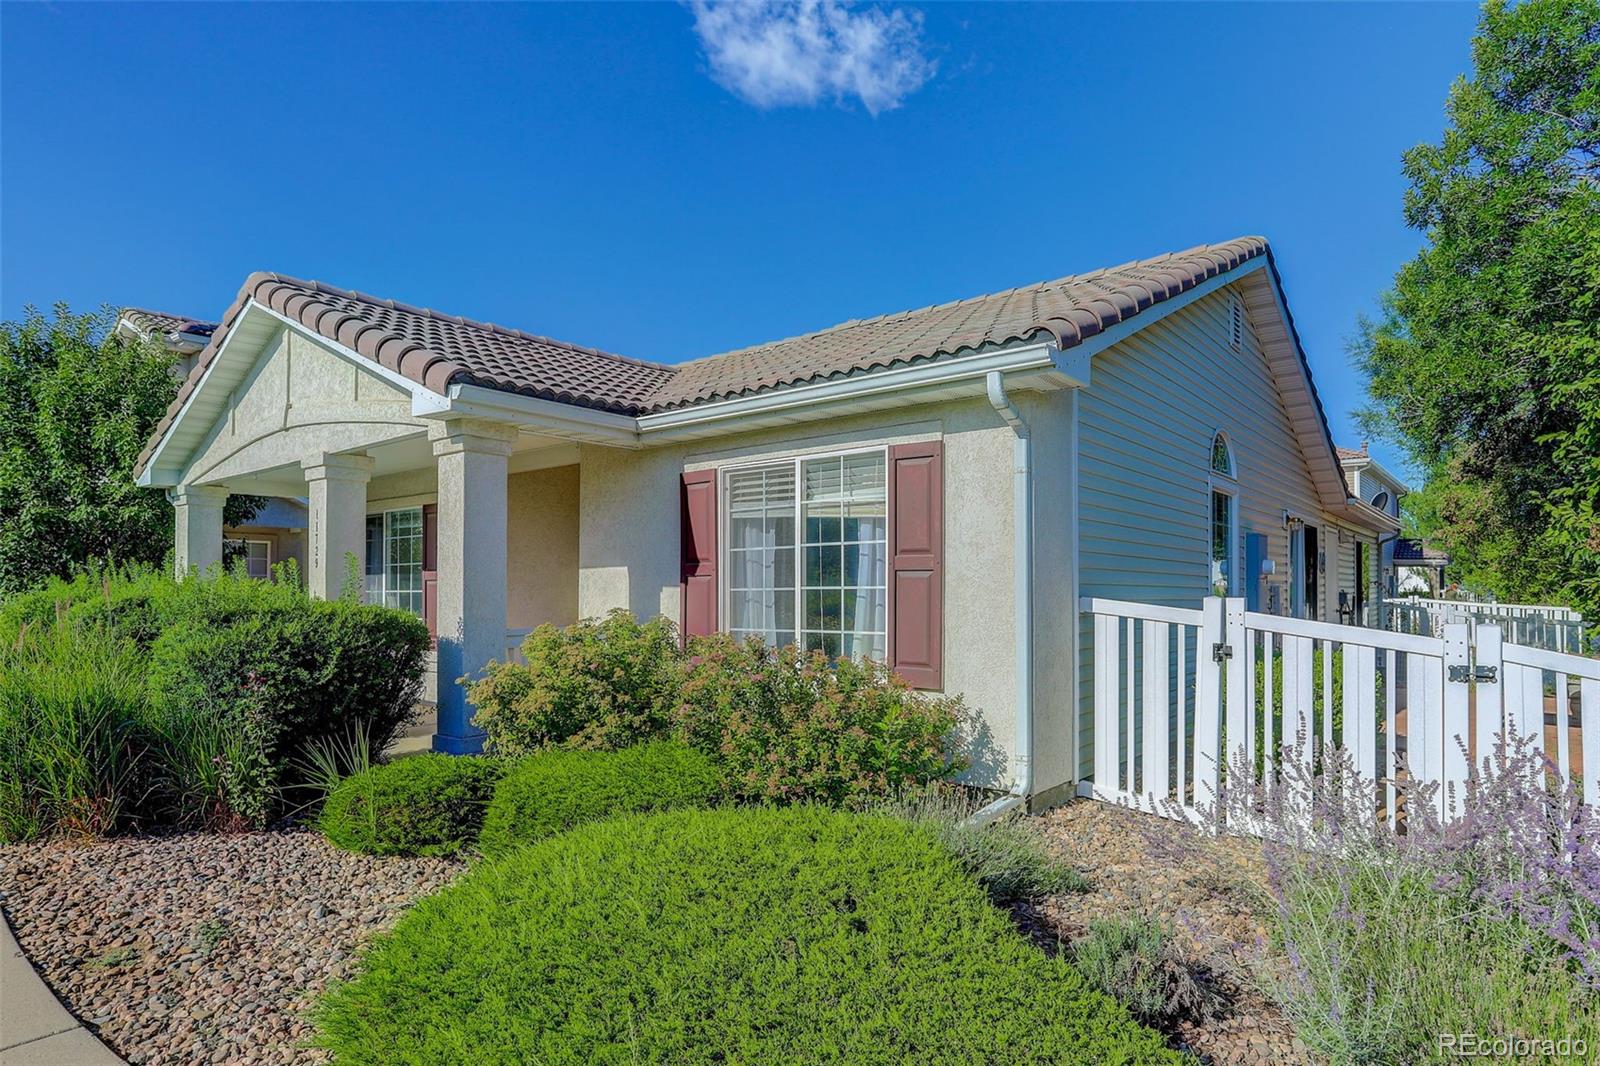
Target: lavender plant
<point>1385,941</point>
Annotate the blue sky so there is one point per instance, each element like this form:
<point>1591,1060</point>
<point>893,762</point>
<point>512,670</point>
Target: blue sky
<point>666,181</point>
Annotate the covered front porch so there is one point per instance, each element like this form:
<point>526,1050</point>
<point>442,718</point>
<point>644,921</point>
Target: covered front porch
<point>469,523</point>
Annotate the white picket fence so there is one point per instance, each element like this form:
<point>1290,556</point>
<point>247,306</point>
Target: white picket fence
<point>1180,694</point>
<point>1531,624</point>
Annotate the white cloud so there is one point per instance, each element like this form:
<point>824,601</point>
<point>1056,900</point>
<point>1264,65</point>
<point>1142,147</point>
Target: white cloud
<point>773,53</point>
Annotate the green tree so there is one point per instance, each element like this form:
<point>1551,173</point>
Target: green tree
<point>77,403</point>
<point>1485,363</point>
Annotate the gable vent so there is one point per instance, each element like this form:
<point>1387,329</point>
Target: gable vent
<point>1235,321</point>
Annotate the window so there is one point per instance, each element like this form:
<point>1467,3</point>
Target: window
<point>1223,581</point>
<point>394,559</point>
<point>1221,456</point>
<point>808,551</point>
<point>256,556</point>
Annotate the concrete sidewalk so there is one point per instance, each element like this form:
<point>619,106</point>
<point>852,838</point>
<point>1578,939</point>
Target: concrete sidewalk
<point>35,1029</point>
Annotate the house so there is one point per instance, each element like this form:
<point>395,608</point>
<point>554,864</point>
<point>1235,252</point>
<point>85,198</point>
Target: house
<point>276,534</point>
<point>936,487</point>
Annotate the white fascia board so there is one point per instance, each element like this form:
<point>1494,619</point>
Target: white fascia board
<point>545,416</point>
<point>1365,514</point>
<point>146,478</point>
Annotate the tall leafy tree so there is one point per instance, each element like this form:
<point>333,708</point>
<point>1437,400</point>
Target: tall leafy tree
<point>77,403</point>
<point>1485,363</point>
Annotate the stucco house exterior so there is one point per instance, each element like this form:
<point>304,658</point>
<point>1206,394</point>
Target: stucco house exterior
<point>276,534</point>
<point>936,487</point>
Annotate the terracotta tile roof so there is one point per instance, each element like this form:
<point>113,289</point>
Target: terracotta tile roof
<point>161,323</point>
<point>438,350</point>
<point>1352,453</point>
<point>1066,311</point>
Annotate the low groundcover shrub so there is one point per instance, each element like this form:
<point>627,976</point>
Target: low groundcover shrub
<point>735,935</point>
<point>424,804</point>
<point>556,790</point>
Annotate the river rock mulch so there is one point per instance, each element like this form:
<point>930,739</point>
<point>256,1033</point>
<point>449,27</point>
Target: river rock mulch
<point>203,948</point>
<point>1211,892</point>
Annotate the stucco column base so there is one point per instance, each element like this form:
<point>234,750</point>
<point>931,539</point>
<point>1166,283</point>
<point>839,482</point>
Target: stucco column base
<point>470,607</point>
<point>197,535</point>
<point>336,530</point>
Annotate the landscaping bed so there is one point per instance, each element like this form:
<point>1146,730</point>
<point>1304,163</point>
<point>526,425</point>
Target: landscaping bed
<point>1211,898</point>
<point>195,947</point>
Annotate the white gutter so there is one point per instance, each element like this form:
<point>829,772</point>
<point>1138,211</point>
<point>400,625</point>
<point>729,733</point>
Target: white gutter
<point>1022,571</point>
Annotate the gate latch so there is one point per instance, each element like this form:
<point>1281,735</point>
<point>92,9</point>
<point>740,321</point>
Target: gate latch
<point>1220,652</point>
<point>1483,674</point>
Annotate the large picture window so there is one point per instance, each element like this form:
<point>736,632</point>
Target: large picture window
<point>807,555</point>
<point>394,559</point>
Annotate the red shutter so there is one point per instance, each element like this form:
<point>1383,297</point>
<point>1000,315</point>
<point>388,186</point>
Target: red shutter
<point>916,563</point>
<point>699,553</point>
<point>430,568</point>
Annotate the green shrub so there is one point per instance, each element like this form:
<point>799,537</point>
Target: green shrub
<point>556,790</point>
<point>72,707</point>
<point>601,685</point>
<point>1135,961</point>
<point>735,936</point>
<point>788,726</point>
<point>419,805</point>
<point>1007,856</point>
<point>236,679</point>
<point>266,683</point>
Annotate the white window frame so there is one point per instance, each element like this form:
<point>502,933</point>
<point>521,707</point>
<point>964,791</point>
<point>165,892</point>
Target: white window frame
<point>381,594</point>
<point>1225,484</point>
<point>797,461</point>
<point>245,542</point>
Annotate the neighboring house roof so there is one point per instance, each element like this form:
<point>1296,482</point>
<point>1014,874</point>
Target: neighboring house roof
<point>1354,459</point>
<point>187,335</point>
<point>1415,553</point>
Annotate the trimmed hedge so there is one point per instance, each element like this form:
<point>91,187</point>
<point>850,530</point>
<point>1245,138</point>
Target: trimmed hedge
<point>560,789</point>
<point>420,805</point>
<point>726,936</point>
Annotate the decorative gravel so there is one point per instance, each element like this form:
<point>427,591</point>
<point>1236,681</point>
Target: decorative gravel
<point>1210,892</point>
<point>203,948</point>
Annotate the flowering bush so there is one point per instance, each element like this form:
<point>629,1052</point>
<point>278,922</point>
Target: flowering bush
<point>1488,923</point>
<point>789,726</point>
<point>599,685</point>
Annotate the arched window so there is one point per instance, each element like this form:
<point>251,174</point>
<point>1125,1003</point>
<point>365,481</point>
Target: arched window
<point>1221,456</point>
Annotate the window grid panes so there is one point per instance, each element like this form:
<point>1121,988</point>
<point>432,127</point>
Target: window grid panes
<point>1221,541</point>
<point>831,512</point>
<point>393,572</point>
<point>258,559</point>
<point>761,548</point>
<point>1221,457</point>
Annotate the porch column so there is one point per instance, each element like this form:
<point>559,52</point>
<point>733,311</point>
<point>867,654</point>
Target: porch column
<point>471,603</point>
<point>336,528</point>
<point>197,538</point>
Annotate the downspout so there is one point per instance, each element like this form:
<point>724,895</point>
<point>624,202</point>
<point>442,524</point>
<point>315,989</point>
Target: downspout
<point>1022,569</point>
